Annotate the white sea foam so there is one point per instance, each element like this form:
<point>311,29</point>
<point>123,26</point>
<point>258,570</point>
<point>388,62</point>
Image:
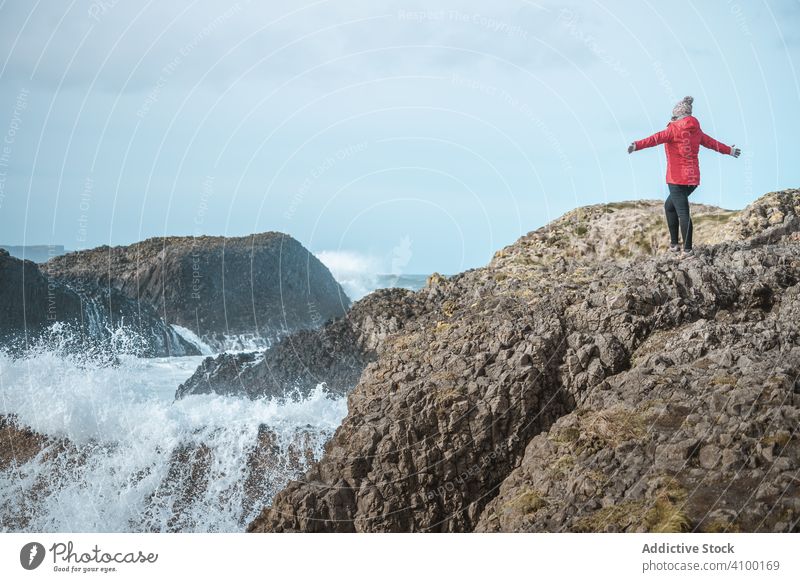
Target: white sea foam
<point>244,342</point>
<point>142,461</point>
<point>194,339</point>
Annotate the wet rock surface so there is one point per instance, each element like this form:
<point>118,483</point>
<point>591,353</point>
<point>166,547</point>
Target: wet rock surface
<point>564,389</point>
<point>31,302</point>
<point>262,285</point>
<point>18,445</point>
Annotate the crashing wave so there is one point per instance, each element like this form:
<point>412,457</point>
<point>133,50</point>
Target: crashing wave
<point>115,453</point>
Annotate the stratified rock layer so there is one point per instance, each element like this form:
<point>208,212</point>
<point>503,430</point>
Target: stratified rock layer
<point>261,285</point>
<point>93,319</point>
<point>582,388</point>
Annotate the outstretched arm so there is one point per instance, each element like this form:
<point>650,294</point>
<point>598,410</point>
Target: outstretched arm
<point>709,142</point>
<point>662,136</point>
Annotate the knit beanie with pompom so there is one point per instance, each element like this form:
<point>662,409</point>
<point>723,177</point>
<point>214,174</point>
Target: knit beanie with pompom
<point>683,108</point>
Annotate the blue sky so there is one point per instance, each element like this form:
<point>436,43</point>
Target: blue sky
<point>401,137</point>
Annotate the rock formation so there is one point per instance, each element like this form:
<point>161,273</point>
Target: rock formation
<point>582,383</point>
<point>260,286</point>
<point>333,355</point>
<point>18,445</point>
<point>91,316</point>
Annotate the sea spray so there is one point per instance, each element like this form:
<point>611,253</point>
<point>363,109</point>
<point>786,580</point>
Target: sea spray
<point>123,455</point>
<point>194,339</point>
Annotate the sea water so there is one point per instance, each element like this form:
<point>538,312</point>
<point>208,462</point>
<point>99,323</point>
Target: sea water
<point>123,455</point>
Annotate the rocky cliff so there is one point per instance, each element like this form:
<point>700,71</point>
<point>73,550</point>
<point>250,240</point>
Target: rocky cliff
<point>222,289</point>
<point>91,316</point>
<point>582,382</point>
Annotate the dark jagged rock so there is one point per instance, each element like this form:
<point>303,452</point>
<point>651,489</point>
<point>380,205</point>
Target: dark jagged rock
<point>29,300</point>
<point>220,375</point>
<point>555,390</point>
<point>334,354</point>
<point>696,435</point>
<point>30,303</point>
<point>262,285</point>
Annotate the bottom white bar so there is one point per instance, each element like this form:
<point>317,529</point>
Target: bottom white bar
<point>399,556</point>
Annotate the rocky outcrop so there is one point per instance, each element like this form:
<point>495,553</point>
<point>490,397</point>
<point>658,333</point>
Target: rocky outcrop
<point>28,300</point>
<point>262,285</point>
<point>333,355</point>
<point>19,445</point>
<point>91,318</point>
<point>616,231</point>
<point>698,434</point>
<point>581,388</point>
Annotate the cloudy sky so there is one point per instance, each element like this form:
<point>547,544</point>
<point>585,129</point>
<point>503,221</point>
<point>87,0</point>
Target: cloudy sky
<point>411,136</point>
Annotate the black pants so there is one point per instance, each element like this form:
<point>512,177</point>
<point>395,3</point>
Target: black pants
<point>677,210</point>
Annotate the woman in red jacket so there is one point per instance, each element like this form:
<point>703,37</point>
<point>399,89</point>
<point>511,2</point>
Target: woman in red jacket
<point>682,140</point>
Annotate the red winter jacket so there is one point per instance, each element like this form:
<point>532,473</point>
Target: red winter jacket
<point>682,139</point>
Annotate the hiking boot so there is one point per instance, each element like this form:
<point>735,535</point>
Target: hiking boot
<point>687,254</point>
<point>676,248</point>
